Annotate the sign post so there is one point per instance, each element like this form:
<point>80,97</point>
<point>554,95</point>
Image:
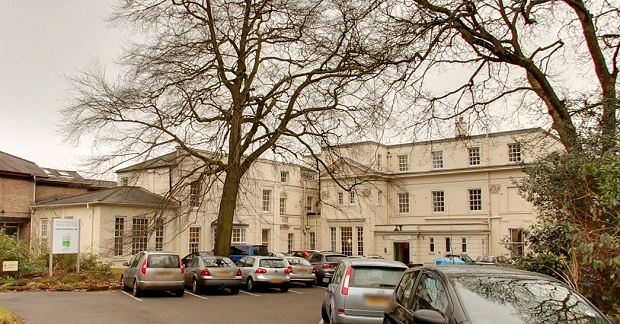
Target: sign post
<point>65,239</point>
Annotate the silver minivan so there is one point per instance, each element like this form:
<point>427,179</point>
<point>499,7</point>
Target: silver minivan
<point>360,290</point>
<point>264,271</point>
<point>154,271</point>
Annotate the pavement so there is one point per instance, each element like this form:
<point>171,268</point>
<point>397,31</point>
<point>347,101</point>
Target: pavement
<point>299,305</point>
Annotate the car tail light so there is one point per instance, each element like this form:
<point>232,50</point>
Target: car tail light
<point>290,269</point>
<point>287,270</point>
<point>205,272</point>
<point>260,270</point>
<point>345,283</point>
<point>182,267</point>
<point>238,272</point>
<point>143,267</point>
<point>325,266</point>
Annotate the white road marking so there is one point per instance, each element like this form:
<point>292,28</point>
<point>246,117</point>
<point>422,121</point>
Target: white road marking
<point>190,293</point>
<point>132,296</point>
<point>249,293</point>
<point>295,291</point>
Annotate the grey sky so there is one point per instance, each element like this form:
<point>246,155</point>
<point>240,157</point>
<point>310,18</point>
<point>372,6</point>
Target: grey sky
<point>40,43</point>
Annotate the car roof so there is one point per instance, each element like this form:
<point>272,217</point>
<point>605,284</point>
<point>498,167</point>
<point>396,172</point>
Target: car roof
<point>484,271</point>
<point>159,252</point>
<point>375,262</point>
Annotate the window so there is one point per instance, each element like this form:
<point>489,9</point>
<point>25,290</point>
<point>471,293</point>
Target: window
<point>291,241</point>
<point>448,244</point>
<point>312,240</point>
<point>282,205</point>
<point>403,163</point>
<point>139,235</point>
<point>516,242</point>
<point>432,244</point>
<point>351,197</point>
<point>265,236</point>
<point>430,293</point>
<point>403,292</point>
<point>437,159</point>
<point>463,244</point>
<point>474,155</point>
<point>159,234</point>
<point>309,203</point>
<point>332,238</point>
<point>124,181</point>
<point>475,199</point>
<point>284,176</point>
<point>119,229</point>
<point>194,194</point>
<point>194,239</point>
<point>238,235</point>
<point>266,200</point>
<point>43,231</point>
<point>514,153</point>
<point>379,198</point>
<point>403,202</point>
<point>438,201</point>
<point>284,220</point>
<point>360,240</point>
<point>346,240</point>
<point>340,198</point>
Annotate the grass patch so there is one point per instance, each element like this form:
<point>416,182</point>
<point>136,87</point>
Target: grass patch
<point>7,317</point>
<point>63,281</point>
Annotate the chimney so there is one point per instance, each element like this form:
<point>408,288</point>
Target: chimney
<point>460,128</point>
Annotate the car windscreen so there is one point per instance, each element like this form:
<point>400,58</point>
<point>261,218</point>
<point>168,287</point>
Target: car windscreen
<point>272,263</point>
<point>375,277</point>
<point>522,300</point>
<point>334,258</point>
<point>163,261</point>
<point>298,261</point>
<point>239,250</point>
<point>261,250</point>
<point>216,263</point>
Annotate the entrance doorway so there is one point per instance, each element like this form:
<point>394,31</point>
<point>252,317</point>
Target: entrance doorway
<point>401,252</point>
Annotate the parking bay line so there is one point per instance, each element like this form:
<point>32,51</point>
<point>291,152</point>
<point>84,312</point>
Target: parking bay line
<point>295,291</point>
<point>189,293</point>
<point>136,298</point>
<point>249,293</point>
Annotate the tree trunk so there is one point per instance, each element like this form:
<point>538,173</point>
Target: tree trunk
<point>228,202</point>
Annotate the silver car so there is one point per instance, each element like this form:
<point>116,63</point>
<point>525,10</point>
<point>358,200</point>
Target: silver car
<point>360,290</point>
<point>204,272</point>
<point>154,271</point>
<point>301,271</point>
<point>264,271</point>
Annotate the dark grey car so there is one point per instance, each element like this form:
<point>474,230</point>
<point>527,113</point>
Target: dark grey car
<point>324,264</point>
<point>204,272</point>
<point>486,295</point>
<point>154,271</point>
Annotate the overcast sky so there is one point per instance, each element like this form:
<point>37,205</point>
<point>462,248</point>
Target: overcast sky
<point>42,42</point>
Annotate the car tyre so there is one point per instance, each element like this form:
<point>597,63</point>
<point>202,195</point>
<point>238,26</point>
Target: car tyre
<point>136,291</point>
<point>123,287</point>
<point>284,288</point>
<point>234,290</point>
<point>179,292</point>
<point>324,315</point>
<point>250,284</point>
<point>196,289</point>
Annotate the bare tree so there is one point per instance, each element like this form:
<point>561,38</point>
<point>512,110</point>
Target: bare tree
<point>231,81</point>
<point>563,54</point>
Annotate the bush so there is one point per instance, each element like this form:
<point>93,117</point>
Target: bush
<point>7,317</point>
<point>12,249</point>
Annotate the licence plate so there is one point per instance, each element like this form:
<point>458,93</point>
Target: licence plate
<point>376,300</point>
<point>302,271</point>
<point>223,274</point>
<point>325,280</point>
<point>276,280</point>
<point>164,274</point>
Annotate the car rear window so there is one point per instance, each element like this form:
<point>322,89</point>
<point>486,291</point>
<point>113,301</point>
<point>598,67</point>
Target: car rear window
<point>216,263</point>
<point>334,258</point>
<point>272,263</point>
<point>163,261</point>
<point>298,261</point>
<point>375,277</point>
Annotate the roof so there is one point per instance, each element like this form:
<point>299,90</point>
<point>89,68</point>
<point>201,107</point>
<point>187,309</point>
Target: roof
<point>16,165</point>
<point>486,271</point>
<point>125,195</point>
<point>165,160</point>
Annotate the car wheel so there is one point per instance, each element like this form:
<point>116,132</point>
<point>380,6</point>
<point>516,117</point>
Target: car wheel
<point>123,287</point>
<point>234,290</point>
<point>136,291</point>
<point>196,289</point>
<point>324,315</point>
<point>284,288</point>
<point>250,284</point>
<point>179,292</point>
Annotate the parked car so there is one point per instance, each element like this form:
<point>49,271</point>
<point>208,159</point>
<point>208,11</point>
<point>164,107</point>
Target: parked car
<point>212,272</point>
<point>238,251</point>
<point>302,253</point>
<point>154,271</point>
<point>360,290</point>
<point>277,254</point>
<point>324,264</point>
<point>264,271</point>
<point>454,259</point>
<point>301,271</point>
<point>472,294</point>
<point>192,255</point>
<point>490,260</point>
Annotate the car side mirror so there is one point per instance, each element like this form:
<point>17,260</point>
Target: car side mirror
<point>125,264</point>
<point>428,316</point>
